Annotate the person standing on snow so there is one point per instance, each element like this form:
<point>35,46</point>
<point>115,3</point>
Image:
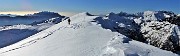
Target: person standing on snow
<point>69,20</point>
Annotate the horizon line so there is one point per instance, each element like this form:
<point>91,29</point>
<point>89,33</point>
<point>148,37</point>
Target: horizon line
<point>62,13</point>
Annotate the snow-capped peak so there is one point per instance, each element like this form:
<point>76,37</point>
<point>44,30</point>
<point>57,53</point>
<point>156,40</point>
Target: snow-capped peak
<point>150,16</point>
<point>167,16</point>
<point>149,12</point>
<point>82,17</point>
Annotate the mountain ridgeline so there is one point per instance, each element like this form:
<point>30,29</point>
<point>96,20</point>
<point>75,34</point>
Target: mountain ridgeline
<point>157,28</point>
<point>37,22</point>
<point>114,34</point>
<point>27,19</point>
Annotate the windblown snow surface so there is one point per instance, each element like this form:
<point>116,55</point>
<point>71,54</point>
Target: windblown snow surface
<point>83,37</point>
<point>14,33</point>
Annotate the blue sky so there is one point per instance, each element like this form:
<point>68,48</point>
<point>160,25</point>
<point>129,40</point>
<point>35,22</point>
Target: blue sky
<point>92,6</point>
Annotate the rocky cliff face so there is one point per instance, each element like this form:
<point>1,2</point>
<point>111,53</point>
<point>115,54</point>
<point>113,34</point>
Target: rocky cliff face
<point>161,34</point>
<point>158,28</point>
<point>161,29</point>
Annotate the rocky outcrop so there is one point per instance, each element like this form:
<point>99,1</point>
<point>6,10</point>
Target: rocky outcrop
<point>150,27</point>
<point>161,34</point>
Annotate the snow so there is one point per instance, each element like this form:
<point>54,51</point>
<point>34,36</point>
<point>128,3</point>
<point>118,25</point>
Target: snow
<point>120,45</point>
<point>159,32</point>
<point>167,16</point>
<point>138,20</point>
<point>155,15</point>
<point>83,37</point>
<point>150,16</point>
<point>114,21</point>
<point>10,19</point>
<point>178,15</point>
<point>160,29</point>
<point>12,34</point>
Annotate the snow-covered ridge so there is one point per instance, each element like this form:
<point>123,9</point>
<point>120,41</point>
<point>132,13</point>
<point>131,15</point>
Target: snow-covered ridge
<point>27,19</point>
<point>121,45</point>
<point>18,32</point>
<point>84,37</point>
<point>32,39</point>
<point>89,35</point>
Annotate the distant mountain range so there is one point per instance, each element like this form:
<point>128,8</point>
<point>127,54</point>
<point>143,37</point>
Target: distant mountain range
<point>9,19</point>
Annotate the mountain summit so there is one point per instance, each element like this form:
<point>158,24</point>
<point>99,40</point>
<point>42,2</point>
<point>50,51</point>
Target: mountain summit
<point>87,35</point>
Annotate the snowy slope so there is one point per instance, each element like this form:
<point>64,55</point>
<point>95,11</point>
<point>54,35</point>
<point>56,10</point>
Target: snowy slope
<point>12,34</point>
<point>84,37</point>
<point>122,46</point>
